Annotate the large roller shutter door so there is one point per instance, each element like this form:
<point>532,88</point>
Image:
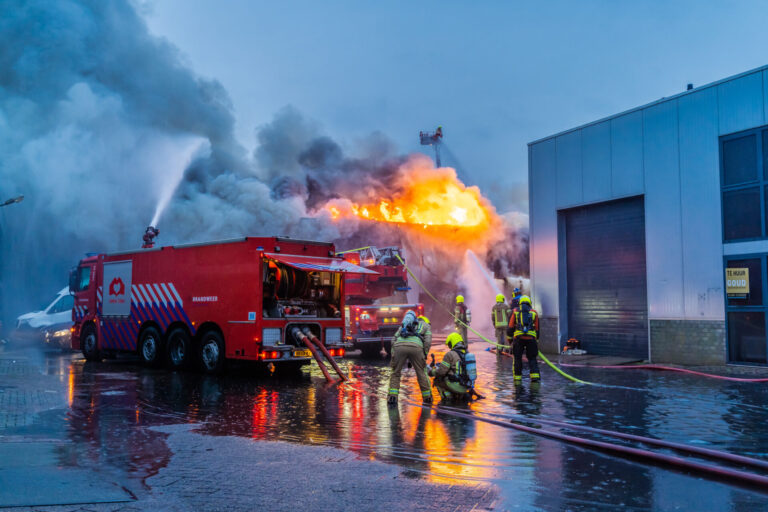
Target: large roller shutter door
<point>606,280</point>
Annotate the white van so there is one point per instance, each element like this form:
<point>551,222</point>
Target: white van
<point>57,310</point>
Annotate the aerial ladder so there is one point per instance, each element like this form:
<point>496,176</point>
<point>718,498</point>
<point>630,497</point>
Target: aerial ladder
<point>434,139</point>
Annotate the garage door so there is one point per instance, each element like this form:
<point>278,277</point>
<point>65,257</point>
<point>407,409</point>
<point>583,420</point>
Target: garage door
<point>605,275</point>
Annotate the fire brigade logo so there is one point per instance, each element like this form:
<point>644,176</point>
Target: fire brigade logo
<point>116,287</point>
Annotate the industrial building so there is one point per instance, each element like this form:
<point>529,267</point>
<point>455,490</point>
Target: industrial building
<point>649,228</point>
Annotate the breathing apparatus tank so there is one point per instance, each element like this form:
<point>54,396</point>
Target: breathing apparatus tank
<point>470,364</point>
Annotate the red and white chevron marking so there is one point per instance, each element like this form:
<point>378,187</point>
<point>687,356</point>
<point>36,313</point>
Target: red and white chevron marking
<point>157,293</point>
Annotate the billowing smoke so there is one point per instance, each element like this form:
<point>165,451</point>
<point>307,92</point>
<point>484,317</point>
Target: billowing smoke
<point>105,129</point>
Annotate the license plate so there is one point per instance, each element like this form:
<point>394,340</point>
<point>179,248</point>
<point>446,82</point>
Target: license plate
<point>302,353</point>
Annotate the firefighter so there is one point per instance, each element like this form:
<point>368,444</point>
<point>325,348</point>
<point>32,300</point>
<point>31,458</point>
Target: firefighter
<point>408,345</point>
<point>524,332</point>
<point>451,375</point>
<point>462,317</point>
<point>500,319</point>
<point>515,302</point>
<point>425,330</point>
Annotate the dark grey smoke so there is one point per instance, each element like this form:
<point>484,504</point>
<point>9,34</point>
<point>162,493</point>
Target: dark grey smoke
<point>97,116</point>
<point>93,112</point>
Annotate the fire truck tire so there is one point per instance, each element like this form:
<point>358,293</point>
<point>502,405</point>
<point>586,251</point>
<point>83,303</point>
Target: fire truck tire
<point>89,340</point>
<point>211,352</point>
<point>178,349</point>
<point>150,347</point>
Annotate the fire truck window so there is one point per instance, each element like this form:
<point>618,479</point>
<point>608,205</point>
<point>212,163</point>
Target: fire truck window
<point>85,278</point>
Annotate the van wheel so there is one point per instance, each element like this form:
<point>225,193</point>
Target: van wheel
<point>211,352</point>
<point>90,343</point>
<point>178,348</point>
<point>150,347</point>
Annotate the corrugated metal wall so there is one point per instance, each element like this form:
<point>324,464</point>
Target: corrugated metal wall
<point>667,151</point>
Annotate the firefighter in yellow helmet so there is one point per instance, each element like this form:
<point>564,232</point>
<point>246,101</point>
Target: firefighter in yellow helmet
<point>500,313</point>
<point>462,317</point>
<point>524,332</point>
<point>452,378</point>
<point>411,343</point>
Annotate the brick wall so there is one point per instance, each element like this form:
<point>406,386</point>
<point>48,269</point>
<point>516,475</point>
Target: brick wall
<point>548,343</point>
<point>694,342</point>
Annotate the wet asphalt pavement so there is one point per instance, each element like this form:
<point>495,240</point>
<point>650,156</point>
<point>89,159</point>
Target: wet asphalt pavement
<point>106,422</point>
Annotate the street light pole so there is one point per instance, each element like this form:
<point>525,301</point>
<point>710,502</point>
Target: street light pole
<point>12,200</point>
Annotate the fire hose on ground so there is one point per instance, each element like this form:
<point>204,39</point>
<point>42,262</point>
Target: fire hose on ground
<point>665,368</point>
<point>711,471</point>
<point>718,473</point>
<point>314,345</point>
<point>498,346</point>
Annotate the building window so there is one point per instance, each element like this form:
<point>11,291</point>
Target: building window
<point>740,160</point>
<point>746,337</point>
<point>746,309</point>
<point>744,182</point>
<point>741,214</point>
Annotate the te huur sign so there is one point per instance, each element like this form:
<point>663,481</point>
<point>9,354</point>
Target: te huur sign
<point>737,282</point>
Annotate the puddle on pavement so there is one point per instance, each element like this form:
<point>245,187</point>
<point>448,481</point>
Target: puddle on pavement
<point>111,404</point>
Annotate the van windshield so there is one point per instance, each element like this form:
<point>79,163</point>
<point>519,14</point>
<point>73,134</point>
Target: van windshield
<point>47,303</point>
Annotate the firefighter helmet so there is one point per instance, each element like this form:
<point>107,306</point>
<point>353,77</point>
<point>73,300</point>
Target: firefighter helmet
<point>422,317</point>
<point>409,318</point>
<point>525,300</point>
<point>459,299</point>
<point>500,298</point>
<point>453,339</point>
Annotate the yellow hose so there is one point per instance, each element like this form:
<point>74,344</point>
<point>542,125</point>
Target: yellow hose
<point>497,345</point>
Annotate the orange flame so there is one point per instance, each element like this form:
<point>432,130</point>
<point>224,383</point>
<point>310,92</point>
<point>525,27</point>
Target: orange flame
<point>433,200</point>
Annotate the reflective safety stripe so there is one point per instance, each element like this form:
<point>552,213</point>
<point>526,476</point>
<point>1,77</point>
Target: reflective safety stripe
<point>394,391</point>
<point>413,340</point>
<point>426,393</point>
<point>500,321</point>
<point>446,364</point>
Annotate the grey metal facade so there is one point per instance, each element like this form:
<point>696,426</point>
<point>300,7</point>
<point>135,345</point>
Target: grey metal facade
<point>668,152</point>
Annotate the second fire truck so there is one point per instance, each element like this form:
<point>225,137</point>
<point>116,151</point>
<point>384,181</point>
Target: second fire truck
<point>375,305</point>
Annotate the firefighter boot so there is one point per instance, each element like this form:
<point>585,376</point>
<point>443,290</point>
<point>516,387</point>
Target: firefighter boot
<point>518,379</point>
<point>392,400</point>
<point>535,377</point>
<point>427,399</point>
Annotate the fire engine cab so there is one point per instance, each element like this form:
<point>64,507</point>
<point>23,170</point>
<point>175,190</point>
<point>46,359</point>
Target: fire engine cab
<point>376,300</point>
<point>275,300</point>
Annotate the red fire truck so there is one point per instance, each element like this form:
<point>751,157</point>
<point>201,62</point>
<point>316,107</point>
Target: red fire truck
<point>275,300</point>
<point>375,306</point>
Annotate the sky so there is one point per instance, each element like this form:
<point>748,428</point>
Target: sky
<point>496,75</point>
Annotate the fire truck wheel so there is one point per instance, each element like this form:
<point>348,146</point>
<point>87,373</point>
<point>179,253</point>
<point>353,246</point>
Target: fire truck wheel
<point>211,352</point>
<point>150,347</point>
<point>90,343</point>
<point>178,348</point>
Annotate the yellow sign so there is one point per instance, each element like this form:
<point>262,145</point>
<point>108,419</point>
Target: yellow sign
<point>737,281</point>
